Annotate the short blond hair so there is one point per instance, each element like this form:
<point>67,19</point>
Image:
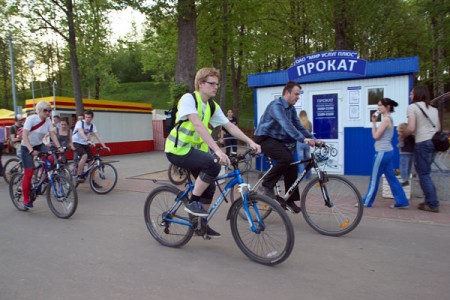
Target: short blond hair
<point>42,105</point>
<point>204,73</point>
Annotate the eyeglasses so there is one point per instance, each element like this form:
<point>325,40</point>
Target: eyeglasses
<point>46,110</point>
<point>213,84</point>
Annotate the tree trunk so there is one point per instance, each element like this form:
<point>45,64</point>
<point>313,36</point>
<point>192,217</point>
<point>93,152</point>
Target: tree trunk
<point>236,73</point>
<point>74,59</point>
<point>340,25</point>
<point>4,68</point>
<point>223,71</point>
<point>187,44</point>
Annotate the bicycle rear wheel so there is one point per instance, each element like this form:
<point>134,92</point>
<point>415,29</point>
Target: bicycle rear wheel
<point>62,197</point>
<point>11,167</point>
<point>15,191</point>
<point>273,241</point>
<point>103,178</point>
<point>167,221</point>
<point>177,175</point>
<point>343,216</point>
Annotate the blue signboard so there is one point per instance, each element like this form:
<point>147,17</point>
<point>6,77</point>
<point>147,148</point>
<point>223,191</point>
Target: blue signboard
<point>325,116</point>
<point>338,61</point>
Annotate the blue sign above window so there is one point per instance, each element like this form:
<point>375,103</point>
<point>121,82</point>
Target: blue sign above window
<point>338,61</point>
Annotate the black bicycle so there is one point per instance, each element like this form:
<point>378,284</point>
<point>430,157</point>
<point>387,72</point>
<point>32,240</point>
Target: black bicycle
<point>102,175</point>
<point>327,201</point>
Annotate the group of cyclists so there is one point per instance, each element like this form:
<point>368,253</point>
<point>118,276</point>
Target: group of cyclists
<point>38,133</point>
<point>189,145</point>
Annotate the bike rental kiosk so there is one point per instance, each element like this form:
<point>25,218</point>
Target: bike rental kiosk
<point>339,93</point>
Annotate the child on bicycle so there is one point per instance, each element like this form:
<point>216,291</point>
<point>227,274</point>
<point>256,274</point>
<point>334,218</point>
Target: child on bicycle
<point>189,141</point>
<point>34,130</point>
<point>81,141</point>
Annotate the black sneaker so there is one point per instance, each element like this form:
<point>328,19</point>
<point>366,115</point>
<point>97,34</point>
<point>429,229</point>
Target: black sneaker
<point>405,183</point>
<point>294,207</point>
<point>80,179</point>
<point>212,233</point>
<point>195,208</point>
<point>205,229</point>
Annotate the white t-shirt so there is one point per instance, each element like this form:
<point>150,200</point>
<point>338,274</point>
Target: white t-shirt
<point>187,107</point>
<point>424,129</point>
<point>37,135</point>
<point>76,138</point>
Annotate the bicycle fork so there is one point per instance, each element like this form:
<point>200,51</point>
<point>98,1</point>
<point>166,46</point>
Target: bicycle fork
<point>246,204</point>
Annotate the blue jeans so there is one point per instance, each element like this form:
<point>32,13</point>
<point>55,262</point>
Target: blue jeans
<point>424,154</point>
<point>27,158</point>
<point>303,152</point>
<point>383,165</point>
<point>406,160</point>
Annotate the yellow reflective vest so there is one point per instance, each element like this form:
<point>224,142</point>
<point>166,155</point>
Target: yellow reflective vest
<point>183,136</point>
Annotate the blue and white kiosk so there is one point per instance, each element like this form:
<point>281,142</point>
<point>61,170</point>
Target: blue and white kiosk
<point>339,93</point>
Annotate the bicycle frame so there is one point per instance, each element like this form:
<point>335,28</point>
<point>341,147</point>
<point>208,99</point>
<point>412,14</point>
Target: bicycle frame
<point>310,164</point>
<point>95,161</point>
<point>236,179</point>
<point>46,174</point>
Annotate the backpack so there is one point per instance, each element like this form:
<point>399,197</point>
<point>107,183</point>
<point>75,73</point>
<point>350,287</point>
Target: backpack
<point>82,126</point>
<point>170,122</point>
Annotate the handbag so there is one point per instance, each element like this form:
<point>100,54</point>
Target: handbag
<point>439,139</point>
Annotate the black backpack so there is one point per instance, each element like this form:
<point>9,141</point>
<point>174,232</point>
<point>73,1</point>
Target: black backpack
<point>170,122</point>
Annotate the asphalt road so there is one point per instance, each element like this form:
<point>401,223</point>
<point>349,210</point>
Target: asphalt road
<point>105,252</point>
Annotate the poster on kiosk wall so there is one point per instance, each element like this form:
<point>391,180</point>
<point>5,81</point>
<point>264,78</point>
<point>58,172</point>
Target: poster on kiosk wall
<point>325,116</point>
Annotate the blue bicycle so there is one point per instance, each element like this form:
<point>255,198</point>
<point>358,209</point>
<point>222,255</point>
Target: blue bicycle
<point>267,240</point>
<point>49,178</point>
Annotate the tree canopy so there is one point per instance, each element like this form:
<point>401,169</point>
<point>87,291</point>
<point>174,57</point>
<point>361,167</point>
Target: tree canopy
<point>238,37</point>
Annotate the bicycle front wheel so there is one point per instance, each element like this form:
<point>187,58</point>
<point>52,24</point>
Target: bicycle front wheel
<point>62,197</point>
<point>341,215</point>
<point>177,175</point>
<point>103,178</point>
<point>166,220</point>
<point>11,167</point>
<point>272,239</point>
<point>15,191</point>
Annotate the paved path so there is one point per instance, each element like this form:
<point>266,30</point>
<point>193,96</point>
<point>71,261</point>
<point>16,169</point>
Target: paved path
<point>105,252</point>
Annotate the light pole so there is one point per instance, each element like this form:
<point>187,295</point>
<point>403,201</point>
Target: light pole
<point>54,97</point>
<point>13,81</point>
<point>31,65</point>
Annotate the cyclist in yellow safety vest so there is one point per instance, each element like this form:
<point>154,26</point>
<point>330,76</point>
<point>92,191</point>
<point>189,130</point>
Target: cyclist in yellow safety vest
<point>189,141</point>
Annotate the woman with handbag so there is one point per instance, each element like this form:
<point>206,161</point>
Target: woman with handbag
<point>423,122</point>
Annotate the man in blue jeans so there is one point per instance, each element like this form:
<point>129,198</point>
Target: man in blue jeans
<point>278,131</point>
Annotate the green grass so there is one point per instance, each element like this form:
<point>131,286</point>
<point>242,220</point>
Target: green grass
<point>156,93</point>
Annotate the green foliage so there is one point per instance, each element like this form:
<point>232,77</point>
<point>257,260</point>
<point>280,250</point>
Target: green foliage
<point>156,93</point>
<point>176,91</point>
